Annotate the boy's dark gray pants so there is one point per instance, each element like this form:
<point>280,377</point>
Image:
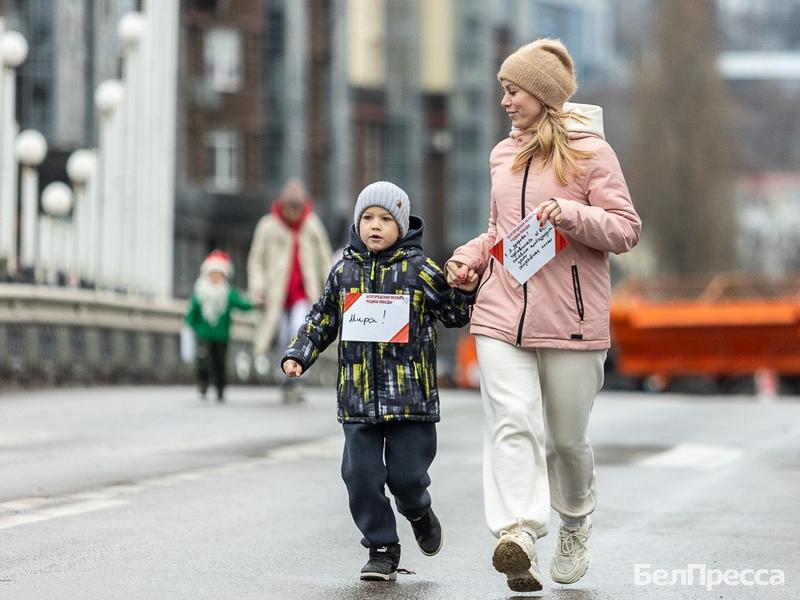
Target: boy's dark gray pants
<point>408,448</point>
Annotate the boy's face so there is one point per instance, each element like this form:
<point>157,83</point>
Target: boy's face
<point>378,229</point>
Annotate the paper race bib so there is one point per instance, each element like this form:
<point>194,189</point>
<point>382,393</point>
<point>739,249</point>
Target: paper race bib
<point>376,317</point>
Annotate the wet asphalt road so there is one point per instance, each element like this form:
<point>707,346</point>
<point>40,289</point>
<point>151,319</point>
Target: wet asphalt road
<point>149,493</point>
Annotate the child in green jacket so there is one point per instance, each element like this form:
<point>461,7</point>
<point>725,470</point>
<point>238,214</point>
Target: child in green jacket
<point>210,317</point>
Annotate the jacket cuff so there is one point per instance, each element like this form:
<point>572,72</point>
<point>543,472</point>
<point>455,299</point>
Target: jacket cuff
<point>467,298</point>
<point>569,213</point>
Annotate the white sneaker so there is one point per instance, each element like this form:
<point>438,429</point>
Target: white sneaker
<point>571,558</point>
<point>515,556</point>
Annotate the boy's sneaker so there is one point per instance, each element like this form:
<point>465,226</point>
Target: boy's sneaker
<point>382,563</point>
<point>571,558</point>
<point>428,532</point>
<point>515,556</point>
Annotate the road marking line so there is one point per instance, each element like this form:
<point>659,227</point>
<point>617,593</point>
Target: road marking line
<point>59,512</point>
<point>23,504</point>
<point>328,447</point>
<point>100,499</point>
<point>694,456</point>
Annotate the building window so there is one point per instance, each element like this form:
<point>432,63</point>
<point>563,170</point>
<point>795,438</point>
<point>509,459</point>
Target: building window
<point>223,160</point>
<point>223,59</point>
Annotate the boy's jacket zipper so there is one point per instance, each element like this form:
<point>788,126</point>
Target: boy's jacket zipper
<point>373,346</point>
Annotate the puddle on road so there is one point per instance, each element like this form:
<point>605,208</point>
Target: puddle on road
<point>405,589</point>
<point>402,589</point>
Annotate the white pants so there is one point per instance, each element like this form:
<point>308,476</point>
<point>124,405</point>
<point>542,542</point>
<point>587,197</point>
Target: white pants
<point>536,406</point>
<point>291,320</point>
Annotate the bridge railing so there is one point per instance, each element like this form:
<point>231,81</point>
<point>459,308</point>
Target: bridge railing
<point>53,335</point>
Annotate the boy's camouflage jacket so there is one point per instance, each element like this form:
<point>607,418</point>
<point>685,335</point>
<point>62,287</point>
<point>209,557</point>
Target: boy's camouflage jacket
<point>381,382</point>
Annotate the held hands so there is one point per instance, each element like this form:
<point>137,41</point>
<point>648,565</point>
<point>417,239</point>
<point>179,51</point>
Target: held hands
<point>292,368</point>
<point>461,277</point>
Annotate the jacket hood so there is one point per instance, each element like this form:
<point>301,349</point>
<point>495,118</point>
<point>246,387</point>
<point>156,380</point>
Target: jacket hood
<point>411,240</point>
<point>591,114</point>
<point>590,123</point>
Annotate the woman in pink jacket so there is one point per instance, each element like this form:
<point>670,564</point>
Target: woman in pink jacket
<point>541,344</point>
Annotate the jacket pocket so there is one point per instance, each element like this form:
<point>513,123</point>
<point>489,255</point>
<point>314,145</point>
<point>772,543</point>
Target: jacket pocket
<point>421,381</point>
<point>576,289</point>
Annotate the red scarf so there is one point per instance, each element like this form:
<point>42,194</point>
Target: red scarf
<point>295,290</point>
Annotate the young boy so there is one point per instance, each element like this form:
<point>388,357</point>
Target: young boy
<point>387,392</point>
<point>210,317</point>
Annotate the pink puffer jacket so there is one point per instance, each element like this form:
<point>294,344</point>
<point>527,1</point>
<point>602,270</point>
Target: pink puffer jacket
<point>566,303</point>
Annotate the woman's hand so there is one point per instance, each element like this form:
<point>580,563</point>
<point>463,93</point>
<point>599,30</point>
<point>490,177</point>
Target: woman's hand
<point>470,285</point>
<point>292,368</point>
<point>460,276</point>
<point>549,210</point>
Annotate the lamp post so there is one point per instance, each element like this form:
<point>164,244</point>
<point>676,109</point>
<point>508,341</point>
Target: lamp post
<point>81,167</point>
<point>57,202</point>
<point>108,97</point>
<point>13,52</point>
<point>30,150</point>
<point>131,30</point>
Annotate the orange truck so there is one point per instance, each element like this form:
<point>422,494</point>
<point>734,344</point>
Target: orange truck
<point>725,327</point>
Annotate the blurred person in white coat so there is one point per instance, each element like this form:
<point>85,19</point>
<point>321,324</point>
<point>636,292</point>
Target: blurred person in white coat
<point>289,260</point>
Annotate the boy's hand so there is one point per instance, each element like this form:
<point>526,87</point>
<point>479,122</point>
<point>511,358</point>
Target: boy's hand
<point>292,368</point>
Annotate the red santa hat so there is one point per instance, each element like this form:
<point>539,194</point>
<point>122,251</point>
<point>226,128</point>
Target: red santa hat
<point>218,261</point>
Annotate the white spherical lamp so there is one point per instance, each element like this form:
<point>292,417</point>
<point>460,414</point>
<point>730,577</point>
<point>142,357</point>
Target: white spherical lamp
<point>109,95</point>
<point>57,199</point>
<point>13,48</point>
<point>30,148</point>
<point>81,165</point>
<point>131,28</point>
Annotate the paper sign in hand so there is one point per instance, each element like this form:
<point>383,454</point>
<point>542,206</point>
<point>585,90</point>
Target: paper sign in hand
<point>528,247</point>
<point>376,317</point>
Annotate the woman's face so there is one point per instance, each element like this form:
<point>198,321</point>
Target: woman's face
<point>292,209</point>
<point>522,108</point>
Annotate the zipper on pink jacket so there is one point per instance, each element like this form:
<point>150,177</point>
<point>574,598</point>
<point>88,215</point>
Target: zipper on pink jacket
<point>524,285</point>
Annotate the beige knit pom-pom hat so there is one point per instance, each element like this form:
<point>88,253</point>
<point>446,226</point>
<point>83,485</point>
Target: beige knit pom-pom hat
<point>542,68</point>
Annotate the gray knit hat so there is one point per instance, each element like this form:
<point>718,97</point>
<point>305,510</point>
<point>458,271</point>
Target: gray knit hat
<point>386,195</point>
<point>542,68</point>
